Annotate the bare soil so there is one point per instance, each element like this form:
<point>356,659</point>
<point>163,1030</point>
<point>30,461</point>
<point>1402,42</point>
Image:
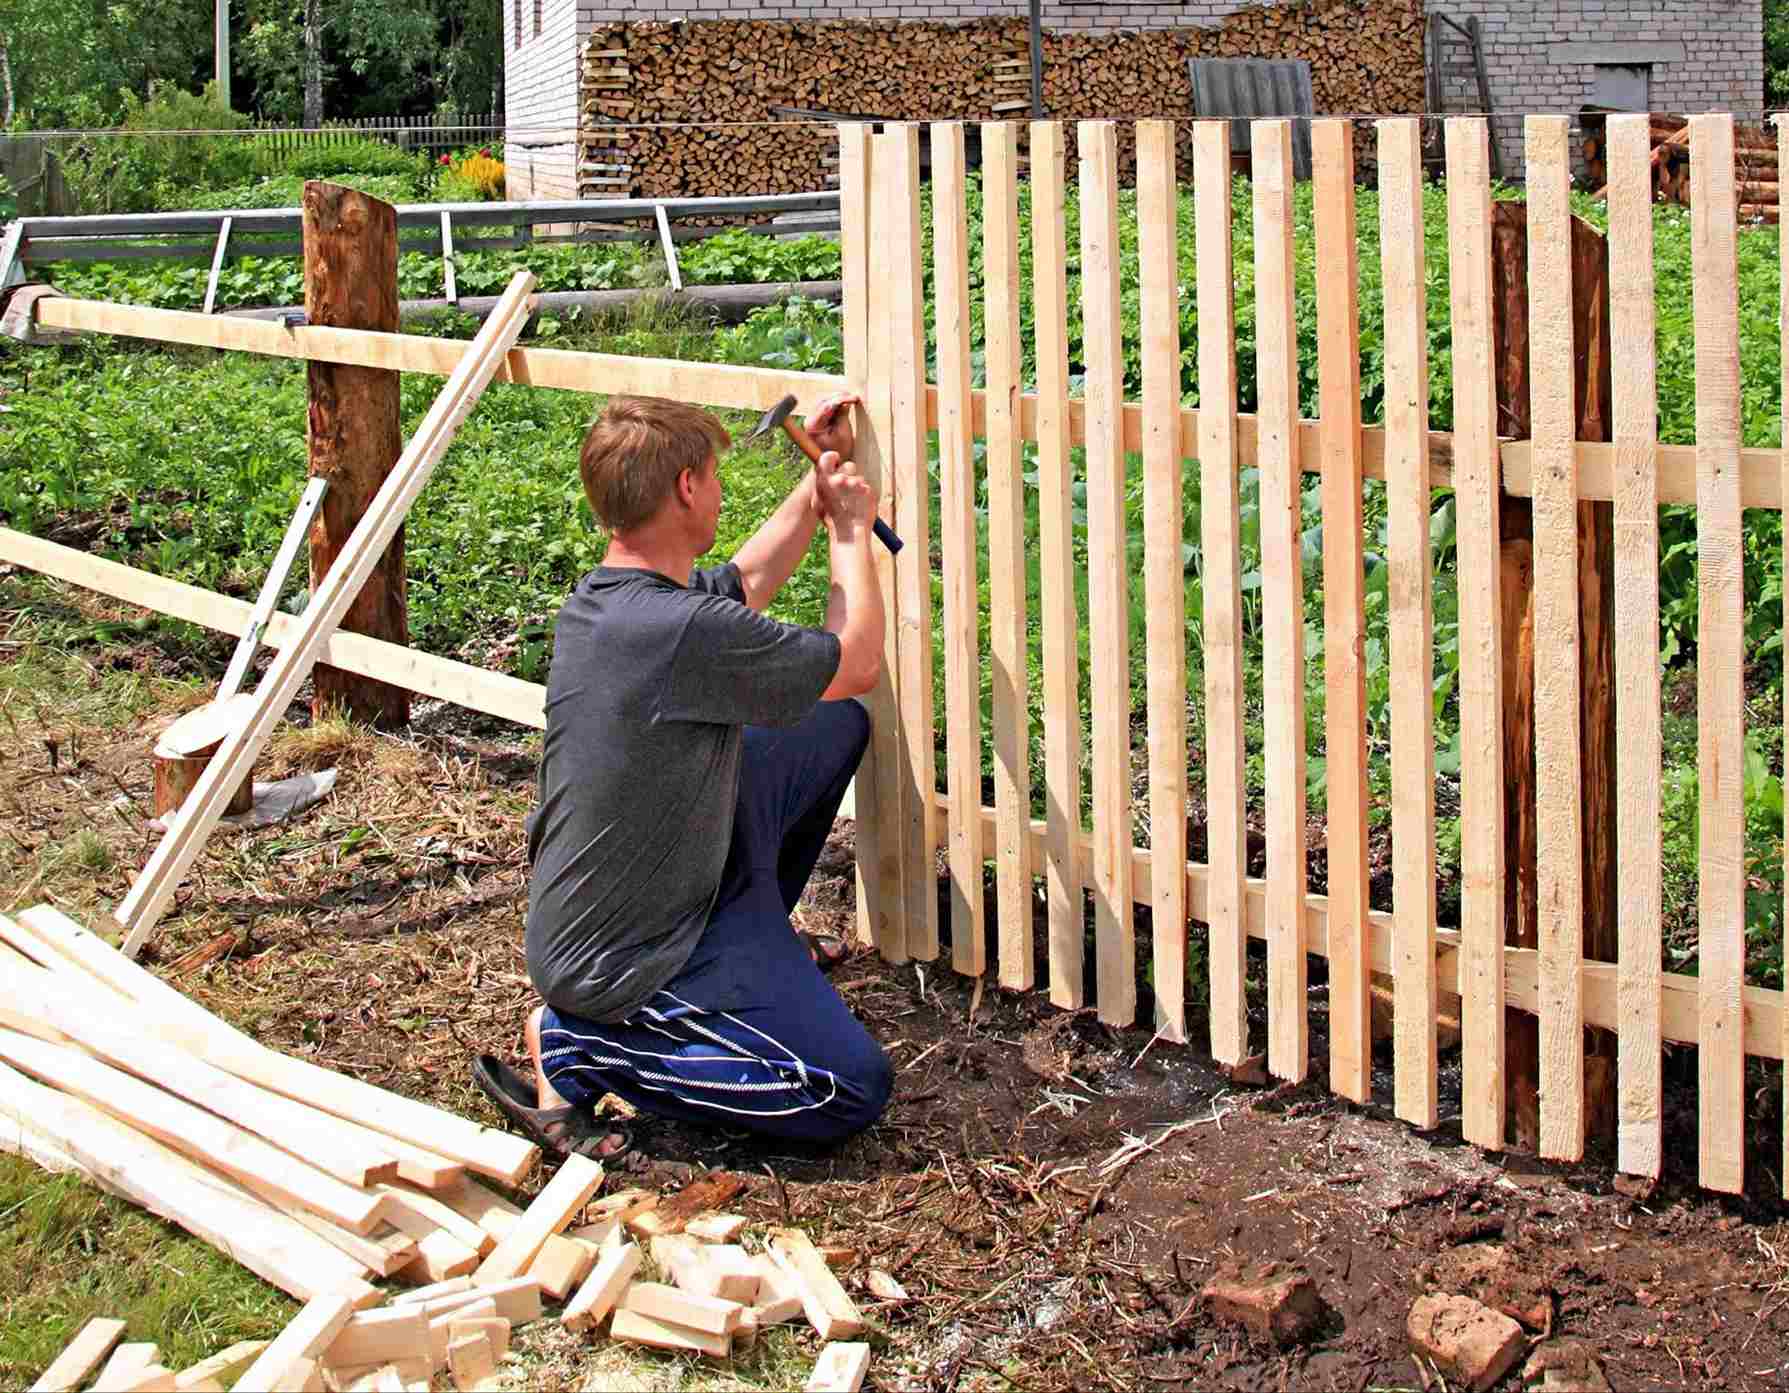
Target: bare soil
<point>1051,1193</point>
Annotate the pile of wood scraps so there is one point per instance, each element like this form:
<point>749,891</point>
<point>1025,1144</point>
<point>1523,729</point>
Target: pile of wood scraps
<point>1754,164</point>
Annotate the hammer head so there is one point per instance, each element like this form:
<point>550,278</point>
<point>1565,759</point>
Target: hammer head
<point>773,419</point>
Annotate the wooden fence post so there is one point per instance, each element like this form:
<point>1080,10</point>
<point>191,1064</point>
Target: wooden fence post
<point>1596,573</point>
<point>351,282</point>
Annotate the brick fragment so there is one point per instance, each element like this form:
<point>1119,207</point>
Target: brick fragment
<point>1467,1341</point>
<point>1280,1305</point>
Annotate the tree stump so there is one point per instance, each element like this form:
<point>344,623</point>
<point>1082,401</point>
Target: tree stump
<point>185,749</point>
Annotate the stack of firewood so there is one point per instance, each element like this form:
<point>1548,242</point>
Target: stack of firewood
<point>1754,164</point>
<point>1364,57</point>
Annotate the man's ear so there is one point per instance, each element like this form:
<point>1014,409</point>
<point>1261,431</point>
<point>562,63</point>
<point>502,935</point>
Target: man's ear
<point>686,487</point>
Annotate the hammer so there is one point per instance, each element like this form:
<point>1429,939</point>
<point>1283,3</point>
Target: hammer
<point>779,415</point>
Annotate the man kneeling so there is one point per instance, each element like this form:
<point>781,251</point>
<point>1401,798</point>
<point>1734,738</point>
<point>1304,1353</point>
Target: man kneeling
<point>696,755</point>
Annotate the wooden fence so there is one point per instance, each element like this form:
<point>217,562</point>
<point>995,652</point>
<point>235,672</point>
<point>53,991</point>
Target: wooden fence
<point>435,134</point>
<point>904,818</point>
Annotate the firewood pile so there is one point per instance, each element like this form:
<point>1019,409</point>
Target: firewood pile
<point>1754,164</point>
<point>710,73</point>
<point>301,1174</point>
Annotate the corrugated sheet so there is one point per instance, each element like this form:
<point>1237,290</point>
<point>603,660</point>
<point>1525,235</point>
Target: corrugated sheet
<point>1242,89</point>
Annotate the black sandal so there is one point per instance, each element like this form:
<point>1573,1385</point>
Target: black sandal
<point>567,1131</point>
<point>828,950</point>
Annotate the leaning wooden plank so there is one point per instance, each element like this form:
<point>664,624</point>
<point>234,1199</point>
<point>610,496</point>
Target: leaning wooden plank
<point>1221,538</point>
<point>224,1367</point>
<point>309,1333</point>
<point>1282,656</point>
<point>913,567</point>
<point>1639,1071</point>
<point>839,1369</point>
<point>565,1194</point>
<point>207,1138</point>
<point>80,1357</point>
<point>1558,792</point>
<point>176,1017</point>
<point>1720,662</point>
<point>1481,980</point>
<point>154,888</point>
<point>957,540</point>
<point>37,996</point>
<point>1007,546</point>
<point>1410,625</point>
<point>602,1289</point>
<point>1344,610</point>
<point>1164,580</point>
<point>829,1309</point>
<point>1108,576</point>
<point>1056,564</point>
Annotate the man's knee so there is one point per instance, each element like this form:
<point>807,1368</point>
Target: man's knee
<point>850,722</point>
<point>866,1082</point>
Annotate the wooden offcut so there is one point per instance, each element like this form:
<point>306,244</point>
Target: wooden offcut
<point>705,1313</point>
<point>80,1357</point>
<point>841,1368</point>
<point>565,1194</point>
<point>829,1309</point>
<point>602,1289</point>
<point>309,1333</point>
<point>634,1328</point>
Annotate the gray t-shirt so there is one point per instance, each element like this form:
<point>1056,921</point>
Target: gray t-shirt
<point>650,685</point>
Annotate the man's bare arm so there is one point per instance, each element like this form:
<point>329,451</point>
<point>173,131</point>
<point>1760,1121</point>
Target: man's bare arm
<point>773,552</point>
<point>854,603</point>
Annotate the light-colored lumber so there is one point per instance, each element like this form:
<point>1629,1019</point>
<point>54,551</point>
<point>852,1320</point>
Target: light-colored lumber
<point>624,1204</point>
<point>429,1209</point>
<point>723,1270</point>
<point>882,770</point>
<point>775,1283</point>
<point>1344,609</point>
<point>1410,626</point>
<point>1282,599</point>
<point>163,1181</point>
<point>80,1357</point>
<point>442,1327</point>
<point>686,1308</point>
<point>380,1337</point>
<point>776,1312</point>
<point>202,1135</point>
<point>1164,579</point>
<point>306,1336</point>
<point>1007,547</point>
<point>1108,576</point>
<point>517,1301</point>
<point>1638,738</point>
<point>1557,752</point>
<point>565,1194</point>
<point>40,996</point>
<point>1477,551</point>
<point>872,890</point>
<point>1056,564</point>
<point>1720,659</point>
<point>840,1368</point>
<point>638,1329</point>
<point>154,888</point>
<point>829,1309</point>
<point>899,240</point>
<point>435,1291</point>
<point>716,1228</point>
<point>224,1367</point>
<point>421,1167</point>
<point>439,1255</point>
<point>303,1376</point>
<point>494,1328</point>
<point>126,1363</point>
<point>470,1358</point>
<point>1221,545</point>
<point>602,1289</point>
<point>957,542</point>
<point>560,1267</point>
<point>156,1378</point>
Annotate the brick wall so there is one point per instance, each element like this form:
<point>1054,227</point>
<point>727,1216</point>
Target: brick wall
<point>540,91</point>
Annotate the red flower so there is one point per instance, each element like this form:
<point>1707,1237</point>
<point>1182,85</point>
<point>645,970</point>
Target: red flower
<point>447,159</point>
<point>485,153</point>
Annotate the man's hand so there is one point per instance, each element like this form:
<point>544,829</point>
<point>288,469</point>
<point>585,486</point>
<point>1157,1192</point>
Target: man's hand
<point>830,424</point>
<point>842,497</point>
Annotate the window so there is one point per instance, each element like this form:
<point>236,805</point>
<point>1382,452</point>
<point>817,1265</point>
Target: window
<point>518,9</point>
<point>539,5</point>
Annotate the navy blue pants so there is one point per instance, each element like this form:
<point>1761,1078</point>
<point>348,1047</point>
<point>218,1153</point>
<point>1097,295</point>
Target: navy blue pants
<point>749,1034</point>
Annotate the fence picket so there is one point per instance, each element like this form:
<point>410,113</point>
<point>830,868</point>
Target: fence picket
<point>1221,545</point>
<point>1108,574</point>
<point>888,788</point>
<point>1344,608</point>
<point>1007,618</point>
<point>1720,666</point>
<point>1637,753</point>
<point>1783,319</point>
<point>1410,622</point>
<point>1477,479</point>
<point>1282,595</point>
<point>913,567</point>
<point>1557,752</point>
<point>956,523</point>
<point>1164,571</point>
<point>1056,554</point>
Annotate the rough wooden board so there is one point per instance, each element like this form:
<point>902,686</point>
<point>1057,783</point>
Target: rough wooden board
<point>722,1270</point>
<point>578,1179</point>
<point>307,1335</point>
<point>839,1369</point>
<point>1415,1078</point>
<point>1481,975</point>
<point>494,1328</point>
<point>421,1167</point>
<point>716,1228</point>
<point>624,1204</point>
<point>1056,552</point>
<point>1282,595</point>
<point>222,1367</point>
<point>441,1328</point>
<point>560,1267</point>
<point>452,1286</point>
<point>69,1369</point>
<point>439,1255</point>
<point>678,1307</point>
<point>602,1289</point>
<point>639,1329</point>
<point>517,1301</point>
<point>381,1337</point>
<point>156,1378</point>
<point>1720,666</point>
<point>829,1309</point>
<point>420,1209</point>
<point>671,1215</point>
<point>776,1312</point>
<point>469,1358</point>
<point>304,1376</point>
<point>385,1251</point>
<point>1638,754</point>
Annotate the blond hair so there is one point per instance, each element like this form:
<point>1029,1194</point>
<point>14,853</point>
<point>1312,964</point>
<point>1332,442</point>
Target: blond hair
<point>635,450</point>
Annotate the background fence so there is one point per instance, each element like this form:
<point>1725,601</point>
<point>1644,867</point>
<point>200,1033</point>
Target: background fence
<point>1032,560</point>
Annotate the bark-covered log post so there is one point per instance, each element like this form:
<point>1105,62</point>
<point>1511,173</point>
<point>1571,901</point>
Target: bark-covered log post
<point>351,282</point>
